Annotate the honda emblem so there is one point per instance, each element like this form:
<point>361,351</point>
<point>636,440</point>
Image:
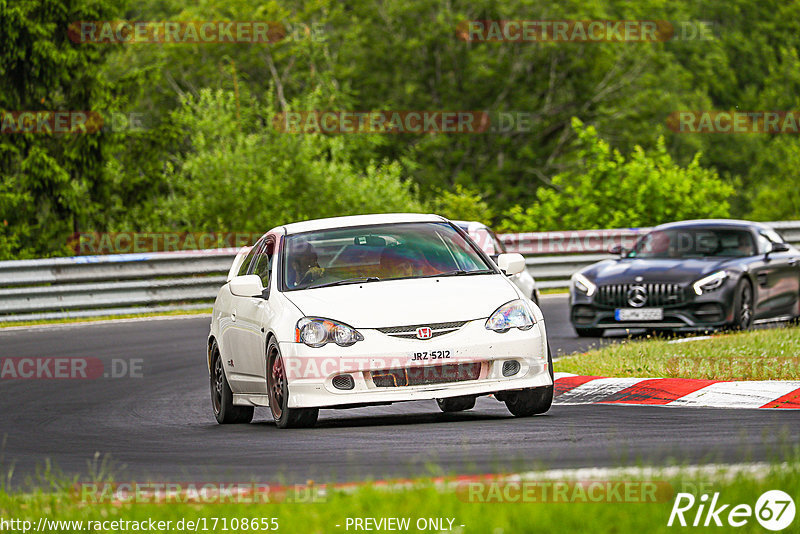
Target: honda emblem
<point>424,332</point>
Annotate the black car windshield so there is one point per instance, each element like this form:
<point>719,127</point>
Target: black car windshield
<point>694,243</point>
<point>374,253</point>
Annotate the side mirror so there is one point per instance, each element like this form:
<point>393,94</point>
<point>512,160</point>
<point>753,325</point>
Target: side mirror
<point>780,247</point>
<point>617,250</point>
<point>511,264</point>
<point>248,285</point>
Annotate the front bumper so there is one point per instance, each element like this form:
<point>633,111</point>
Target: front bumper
<point>709,311</point>
<point>311,370</point>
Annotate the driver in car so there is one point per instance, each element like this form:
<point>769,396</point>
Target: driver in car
<point>303,266</point>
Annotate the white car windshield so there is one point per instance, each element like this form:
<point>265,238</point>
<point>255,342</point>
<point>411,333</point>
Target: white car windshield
<point>378,252</point>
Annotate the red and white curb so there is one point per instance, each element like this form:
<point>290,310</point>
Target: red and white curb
<point>682,392</point>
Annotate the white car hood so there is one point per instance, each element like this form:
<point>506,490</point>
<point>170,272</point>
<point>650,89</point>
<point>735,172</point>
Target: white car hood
<point>407,302</point>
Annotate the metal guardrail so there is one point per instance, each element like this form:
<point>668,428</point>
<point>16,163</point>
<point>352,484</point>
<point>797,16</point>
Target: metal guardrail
<point>86,286</point>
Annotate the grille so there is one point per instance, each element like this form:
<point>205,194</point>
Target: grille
<point>420,376</point>
<point>343,382</point>
<point>510,368</point>
<point>410,332</point>
<point>657,295</point>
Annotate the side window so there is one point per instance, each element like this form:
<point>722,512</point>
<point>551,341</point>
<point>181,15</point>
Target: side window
<point>246,263</point>
<point>499,246</point>
<point>764,244</point>
<point>263,263</point>
<point>773,236</point>
<point>765,240</point>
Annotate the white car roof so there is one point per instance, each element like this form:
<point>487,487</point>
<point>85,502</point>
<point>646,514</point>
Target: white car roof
<point>359,220</point>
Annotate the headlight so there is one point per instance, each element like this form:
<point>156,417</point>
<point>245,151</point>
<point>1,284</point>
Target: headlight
<point>514,314</point>
<point>583,284</point>
<point>316,332</point>
<point>710,283</point>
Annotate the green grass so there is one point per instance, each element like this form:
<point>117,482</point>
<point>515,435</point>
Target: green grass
<point>7,324</point>
<point>554,291</point>
<point>771,354</point>
<point>427,500</point>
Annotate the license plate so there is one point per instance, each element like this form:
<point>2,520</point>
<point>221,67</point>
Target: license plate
<point>430,355</point>
<point>639,314</point>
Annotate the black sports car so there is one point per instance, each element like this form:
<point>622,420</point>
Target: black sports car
<point>690,275</point>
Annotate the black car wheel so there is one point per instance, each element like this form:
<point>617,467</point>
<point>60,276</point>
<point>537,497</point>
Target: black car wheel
<point>278,388</point>
<point>532,401</point>
<point>589,332</point>
<point>456,404</point>
<point>743,305</point>
<point>222,397</point>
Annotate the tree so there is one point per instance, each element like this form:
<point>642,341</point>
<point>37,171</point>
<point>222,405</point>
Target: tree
<point>239,173</point>
<point>608,190</point>
<point>52,184</point>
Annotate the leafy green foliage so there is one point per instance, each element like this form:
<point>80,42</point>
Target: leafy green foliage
<point>239,173</point>
<point>52,184</point>
<point>608,190</point>
<point>392,56</point>
<point>462,204</point>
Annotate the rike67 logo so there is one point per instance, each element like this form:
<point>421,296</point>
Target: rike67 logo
<point>774,510</point>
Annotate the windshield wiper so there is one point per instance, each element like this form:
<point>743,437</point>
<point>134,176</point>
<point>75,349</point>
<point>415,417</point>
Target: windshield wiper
<point>461,272</point>
<point>347,281</point>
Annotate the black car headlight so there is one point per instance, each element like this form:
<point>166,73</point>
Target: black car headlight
<point>710,282</point>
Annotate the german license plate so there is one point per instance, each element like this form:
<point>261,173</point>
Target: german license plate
<point>639,314</point>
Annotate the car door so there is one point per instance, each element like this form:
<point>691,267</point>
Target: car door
<point>232,339</point>
<point>784,283</point>
<point>251,315</point>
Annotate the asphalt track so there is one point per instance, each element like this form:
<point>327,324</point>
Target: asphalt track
<point>159,427</point>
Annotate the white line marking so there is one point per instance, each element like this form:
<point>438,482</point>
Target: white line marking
<point>597,390</point>
<point>737,394</point>
<point>688,339</point>
<point>106,322</point>
<point>725,471</point>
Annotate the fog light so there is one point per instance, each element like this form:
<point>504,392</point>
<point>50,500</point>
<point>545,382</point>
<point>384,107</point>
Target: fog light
<point>343,382</point>
<point>510,368</point>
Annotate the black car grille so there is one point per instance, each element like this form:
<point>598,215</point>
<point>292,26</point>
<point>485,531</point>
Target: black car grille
<point>410,332</point>
<point>659,295</point>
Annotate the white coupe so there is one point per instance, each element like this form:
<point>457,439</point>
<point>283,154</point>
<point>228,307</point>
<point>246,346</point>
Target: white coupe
<point>373,309</point>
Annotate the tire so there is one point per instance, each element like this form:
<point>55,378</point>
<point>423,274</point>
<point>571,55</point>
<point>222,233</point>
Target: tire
<point>278,389</point>
<point>535,297</point>
<point>532,401</point>
<point>589,332</point>
<point>743,306</point>
<point>222,397</point>
<point>456,404</point>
